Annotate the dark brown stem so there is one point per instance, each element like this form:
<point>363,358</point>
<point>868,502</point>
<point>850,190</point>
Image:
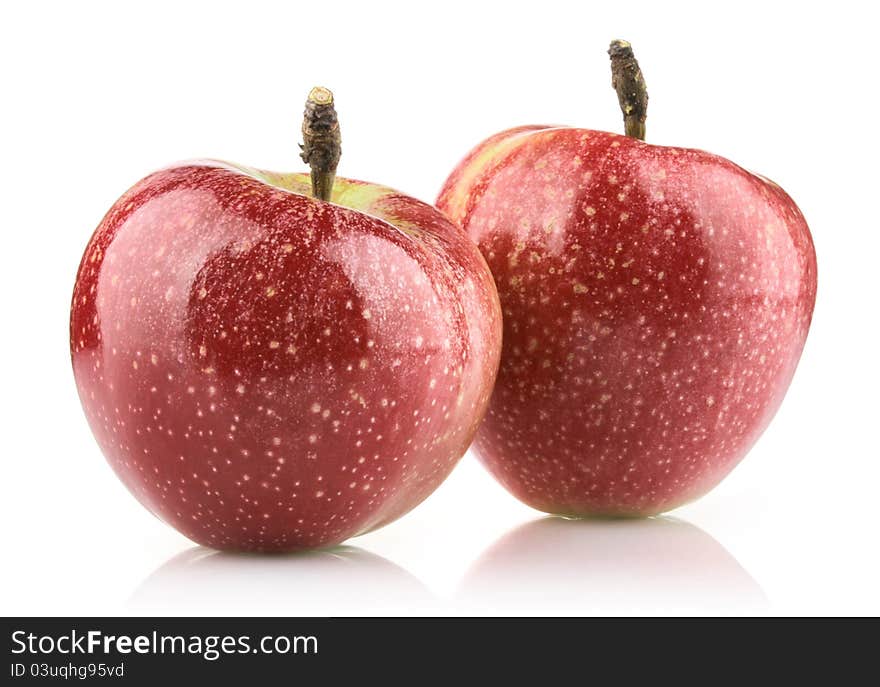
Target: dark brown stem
<point>322,144</point>
<point>627,80</point>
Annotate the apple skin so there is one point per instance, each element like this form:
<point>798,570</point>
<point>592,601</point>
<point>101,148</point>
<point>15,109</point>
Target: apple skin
<point>265,371</point>
<point>656,301</point>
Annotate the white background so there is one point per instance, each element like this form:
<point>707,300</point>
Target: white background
<point>96,95</point>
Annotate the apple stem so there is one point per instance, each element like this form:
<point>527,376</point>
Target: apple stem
<point>627,80</point>
<point>322,143</point>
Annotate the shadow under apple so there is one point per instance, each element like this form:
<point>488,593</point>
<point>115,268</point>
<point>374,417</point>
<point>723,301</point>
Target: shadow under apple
<point>344,580</point>
<point>582,567</point>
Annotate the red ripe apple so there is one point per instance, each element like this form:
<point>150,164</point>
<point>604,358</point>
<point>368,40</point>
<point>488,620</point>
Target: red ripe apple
<point>656,301</point>
<point>268,371</point>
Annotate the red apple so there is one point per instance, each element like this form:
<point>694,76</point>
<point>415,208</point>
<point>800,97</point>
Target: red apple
<point>269,371</point>
<point>656,301</point>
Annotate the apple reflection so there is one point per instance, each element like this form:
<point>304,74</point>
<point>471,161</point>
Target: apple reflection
<point>344,580</point>
<point>583,567</point>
